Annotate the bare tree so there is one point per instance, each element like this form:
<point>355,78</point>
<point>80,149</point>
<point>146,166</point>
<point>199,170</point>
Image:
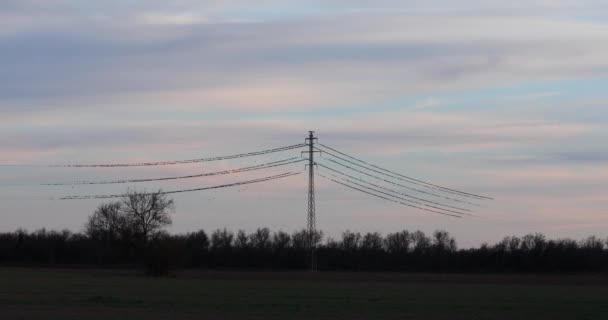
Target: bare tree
<point>241,241</point>
<point>138,213</point>
<point>281,241</point>
<point>442,241</point>
<point>147,213</point>
<point>107,222</point>
<point>300,239</point>
<point>509,244</point>
<point>398,242</point>
<point>351,241</point>
<point>260,239</point>
<point>222,240</point>
<point>420,241</point>
<point>372,241</point>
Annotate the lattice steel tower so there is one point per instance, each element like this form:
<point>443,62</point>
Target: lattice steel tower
<point>312,230</point>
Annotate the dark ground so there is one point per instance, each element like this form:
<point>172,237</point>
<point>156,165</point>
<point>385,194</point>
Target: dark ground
<point>117,294</point>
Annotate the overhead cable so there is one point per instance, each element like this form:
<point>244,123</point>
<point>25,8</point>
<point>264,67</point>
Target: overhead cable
<point>391,190</point>
<point>164,163</point>
<point>398,197</point>
<point>409,179</point>
<point>388,199</point>
<point>401,185</point>
<point>269,178</point>
<point>224,172</point>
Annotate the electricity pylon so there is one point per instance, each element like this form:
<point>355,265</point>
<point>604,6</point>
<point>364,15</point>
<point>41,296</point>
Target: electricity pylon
<point>311,228</point>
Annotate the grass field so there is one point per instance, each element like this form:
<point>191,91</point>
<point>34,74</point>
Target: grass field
<point>110,294</point>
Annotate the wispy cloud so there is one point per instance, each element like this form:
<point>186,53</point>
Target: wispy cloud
<point>176,79</point>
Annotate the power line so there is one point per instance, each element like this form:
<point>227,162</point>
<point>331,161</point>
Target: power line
<point>269,178</point>
<point>401,185</point>
<point>397,197</point>
<point>424,183</point>
<point>392,176</point>
<point>388,199</point>
<point>239,170</point>
<point>164,163</point>
<point>391,190</point>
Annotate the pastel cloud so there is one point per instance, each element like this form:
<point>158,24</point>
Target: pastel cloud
<point>305,63</point>
<point>176,80</point>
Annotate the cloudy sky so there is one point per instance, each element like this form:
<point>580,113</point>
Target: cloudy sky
<point>502,98</point>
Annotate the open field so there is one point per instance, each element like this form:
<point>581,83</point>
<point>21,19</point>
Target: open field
<point>111,294</point>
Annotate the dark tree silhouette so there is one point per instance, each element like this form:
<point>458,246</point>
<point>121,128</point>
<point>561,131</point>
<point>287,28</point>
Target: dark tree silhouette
<point>420,241</point>
<point>400,251</point>
<point>241,241</point>
<point>398,243</point>
<point>260,239</point>
<point>147,213</point>
<point>138,213</point>
<point>443,242</point>
<point>108,222</point>
<point>281,241</point>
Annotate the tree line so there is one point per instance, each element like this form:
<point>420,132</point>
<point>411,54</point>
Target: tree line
<point>130,233</point>
<point>263,249</point>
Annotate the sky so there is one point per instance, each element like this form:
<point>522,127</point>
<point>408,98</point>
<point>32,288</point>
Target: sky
<point>501,98</point>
